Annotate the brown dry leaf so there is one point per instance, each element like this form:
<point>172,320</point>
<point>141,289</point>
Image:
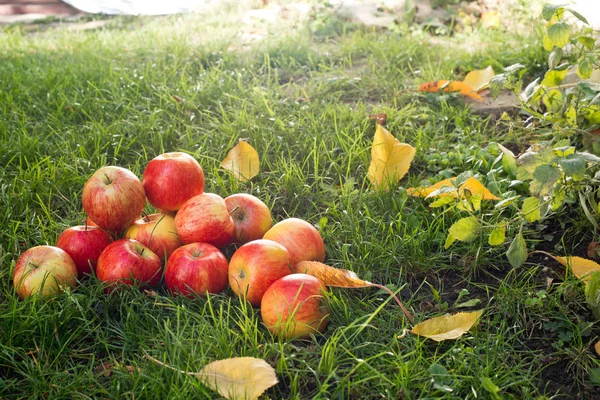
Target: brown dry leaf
<point>447,327</point>
<point>380,118</point>
<point>390,159</point>
<point>479,78</point>
<point>593,250</point>
<point>242,160</point>
<point>581,267</point>
<point>450,86</point>
<point>239,377</point>
<point>597,348</point>
<point>342,278</point>
<point>471,184</point>
<point>234,378</point>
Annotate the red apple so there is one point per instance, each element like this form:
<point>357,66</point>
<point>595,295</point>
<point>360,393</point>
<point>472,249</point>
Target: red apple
<point>113,198</point>
<point>126,261</point>
<point>44,270</point>
<point>294,307</point>
<point>255,266</point>
<point>303,241</point>
<point>157,232</point>
<point>195,269</point>
<point>252,217</point>
<point>84,244</point>
<point>205,219</point>
<point>171,179</point>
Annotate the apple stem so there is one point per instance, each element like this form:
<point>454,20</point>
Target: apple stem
<point>142,252</point>
<point>107,178</point>
<point>406,312</point>
<point>234,210</point>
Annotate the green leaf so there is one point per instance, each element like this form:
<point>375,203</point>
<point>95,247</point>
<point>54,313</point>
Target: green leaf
<point>468,303</point>
<point>465,229</point>
<point>498,235</point>
<point>442,201</point>
<point>594,375</point>
<point>531,209</point>
<point>553,100</point>
<point>555,57</point>
<point>585,68</point>
<point>578,16</point>
<point>517,251</point>
<point>592,293</point>
<point>588,42</point>
<point>554,77</point>
<point>544,178</point>
<point>559,198</point>
<point>558,33</point>
<point>449,241</point>
<point>550,9</point>
<point>509,165</point>
<point>547,43</point>
<point>574,166</point>
<point>488,385</point>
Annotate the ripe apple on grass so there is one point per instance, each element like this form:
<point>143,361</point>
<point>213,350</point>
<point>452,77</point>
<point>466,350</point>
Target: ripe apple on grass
<point>84,244</point>
<point>128,261</point>
<point>205,219</point>
<point>303,241</point>
<point>44,270</point>
<point>294,307</point>
<point>157,232</point>
<point>171,179</point>
<point>255,266</point>
<point>113,197</point>
<point>252,217</point>
<point>195,269</point>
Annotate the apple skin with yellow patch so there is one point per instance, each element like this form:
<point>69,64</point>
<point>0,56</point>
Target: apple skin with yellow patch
<point>157,232</point>
<point>301,239</point>
<point>252,217</point>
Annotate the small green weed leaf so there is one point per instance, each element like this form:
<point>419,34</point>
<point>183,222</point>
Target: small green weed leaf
<point>498,235</point>
<point>440,378</point>
<point>509,165</point>
<point>531,209</point>
<point>449,241</point>
<point>490,386</point>
<point>588,42</point>
<point>547,43</point>
<point>465,229</point>
<point>585,67</point>
<point>594,375</point>
<point>507,202</point>
<point>468,303</point>
<point>553,100</point>
<point>550,9</point>
<point>592,293</point>
<point>544,178</point>
<point>555,57</point>
<point>578,16</point>
<point>442,201</point>
<point>558,33</point>
<point>554,78</point>
<point>558,198</point>
<point>517,251</point>
<point>574,166</point>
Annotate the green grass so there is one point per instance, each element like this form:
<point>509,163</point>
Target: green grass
<point>71,102</point>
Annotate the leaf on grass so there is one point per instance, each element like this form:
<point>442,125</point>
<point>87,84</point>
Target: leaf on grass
<point>447,327</point>
<point>592,293</point>
<point>479,78</point>
<point>597,348</point>
<point>531,209</point>
<point>342,278</point>
<point>465,229</point>
<point>390,159</point>
<point>498,235</point>
<point>471,184</point>
<point>581,267</point>
<point>517,251</point>
<point>450,87</point>
<point>234,378</point>
<point>242,160</point>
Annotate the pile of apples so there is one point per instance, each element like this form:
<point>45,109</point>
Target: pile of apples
<point>181,243</point>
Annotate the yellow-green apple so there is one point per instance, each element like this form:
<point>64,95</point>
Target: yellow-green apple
<point>113,198</point>
<point>127,261</point>
<point>84,244</point>
<point>44,270</point>
<point>295,306</point>
<point>157,232</point>
<point>252,217</point>
<point>303,241</point>
<point>205,219</point>
<point>195,269</point>
<point>171,179</point>
<point>255,266</point>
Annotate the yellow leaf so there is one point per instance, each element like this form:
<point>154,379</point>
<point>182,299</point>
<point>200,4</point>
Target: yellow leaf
<point>490,19</point>
<point>447,327</point>
<point>242,160</point>
<point>472,185</point>
<point>581,267</point>
<point>597,348</point>
<point>342,278</point>
<point>390,159</point>
<point>478,79</point>
<point>450,86</point>
<point>239,377</point>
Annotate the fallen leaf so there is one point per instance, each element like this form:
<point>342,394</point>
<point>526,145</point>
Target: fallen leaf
<point>450,87</point>
<point>597,348</point>
<point>390,159</point>
<point>242,160</point>
<point>593,250</point>
<point>471,184</point>
<point>342,278</point>
<point>581,267</point>
<point>234,378</point>
<point>447,327</point>
<point>479,79</point>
